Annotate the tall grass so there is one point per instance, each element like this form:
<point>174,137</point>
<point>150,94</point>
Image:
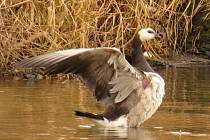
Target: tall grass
<point>33,27</point>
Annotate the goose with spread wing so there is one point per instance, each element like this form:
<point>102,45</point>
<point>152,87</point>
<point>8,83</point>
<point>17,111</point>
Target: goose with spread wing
<point>131,93</point>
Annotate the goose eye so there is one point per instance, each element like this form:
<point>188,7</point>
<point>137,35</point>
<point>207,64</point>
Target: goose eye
<point>150,32</point>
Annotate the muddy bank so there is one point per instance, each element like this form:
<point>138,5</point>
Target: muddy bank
<point>186,60</point>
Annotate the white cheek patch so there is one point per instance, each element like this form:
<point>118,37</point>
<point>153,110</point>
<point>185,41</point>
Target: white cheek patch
<point>144,35</point>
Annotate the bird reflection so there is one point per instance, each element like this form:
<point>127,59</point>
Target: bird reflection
<point>127,133</point>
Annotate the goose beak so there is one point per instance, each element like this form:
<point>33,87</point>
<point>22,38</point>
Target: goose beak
<point>158,36</point>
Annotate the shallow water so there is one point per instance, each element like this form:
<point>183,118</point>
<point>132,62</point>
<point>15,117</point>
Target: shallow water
<point>43,110</point>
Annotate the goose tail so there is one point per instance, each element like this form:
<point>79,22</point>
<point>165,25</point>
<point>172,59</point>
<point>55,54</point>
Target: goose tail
<point>89,115</point>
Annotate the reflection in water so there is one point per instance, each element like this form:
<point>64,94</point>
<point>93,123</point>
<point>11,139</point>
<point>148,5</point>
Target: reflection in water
<point>131,133</point>
<point>140,133</point>
<point>44,110</point>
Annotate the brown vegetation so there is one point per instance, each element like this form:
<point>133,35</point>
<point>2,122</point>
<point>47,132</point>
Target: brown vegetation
<point>33,27</point>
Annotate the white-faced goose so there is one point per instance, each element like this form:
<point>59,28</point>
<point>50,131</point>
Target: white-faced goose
<point>130,93</point>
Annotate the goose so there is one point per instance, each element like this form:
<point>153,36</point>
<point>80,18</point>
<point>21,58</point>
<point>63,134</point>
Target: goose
<point>131,93</point>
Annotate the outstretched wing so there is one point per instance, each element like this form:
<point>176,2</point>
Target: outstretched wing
<point>104,70</point>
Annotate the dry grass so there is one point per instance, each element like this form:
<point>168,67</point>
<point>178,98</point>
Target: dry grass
<point>32,27</point>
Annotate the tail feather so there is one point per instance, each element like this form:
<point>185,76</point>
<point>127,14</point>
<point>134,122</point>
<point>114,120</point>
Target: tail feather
<point>89,115</point>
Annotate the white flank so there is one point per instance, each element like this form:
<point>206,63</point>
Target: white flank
<point>120,122</point>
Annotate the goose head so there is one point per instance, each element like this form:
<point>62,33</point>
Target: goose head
<point>147,34</point>
<point>137,57</point>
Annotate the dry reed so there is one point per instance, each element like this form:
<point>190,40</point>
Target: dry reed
<point>33,27</point>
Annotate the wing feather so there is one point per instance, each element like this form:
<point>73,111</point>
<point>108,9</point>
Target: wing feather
<point>124,85</point>
<point>104,70</point>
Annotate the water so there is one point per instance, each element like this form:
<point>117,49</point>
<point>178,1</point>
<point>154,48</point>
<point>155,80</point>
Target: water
<point>43,110</point>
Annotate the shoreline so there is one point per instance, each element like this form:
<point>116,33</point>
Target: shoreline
<point>186,60</point>
<point>181,61</point>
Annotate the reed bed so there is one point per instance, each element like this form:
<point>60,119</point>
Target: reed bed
<point>33,27</point>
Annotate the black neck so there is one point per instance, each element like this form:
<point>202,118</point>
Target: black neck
<point>138,59</point>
